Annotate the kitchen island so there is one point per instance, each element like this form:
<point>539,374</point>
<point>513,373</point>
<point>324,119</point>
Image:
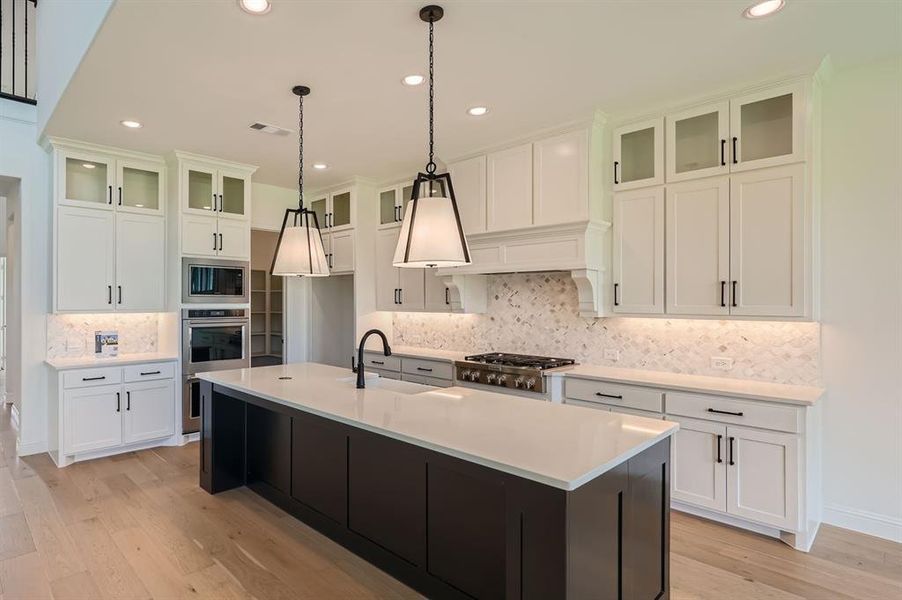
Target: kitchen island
<point>459,493</point>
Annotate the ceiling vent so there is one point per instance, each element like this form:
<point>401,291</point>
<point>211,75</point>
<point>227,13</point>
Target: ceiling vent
<point>271,129</point>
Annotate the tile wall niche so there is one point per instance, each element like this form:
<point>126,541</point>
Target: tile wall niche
<point>72,336</point>
<point>538,313</point>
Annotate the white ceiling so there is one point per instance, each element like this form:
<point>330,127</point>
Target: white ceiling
<point>198,72</point>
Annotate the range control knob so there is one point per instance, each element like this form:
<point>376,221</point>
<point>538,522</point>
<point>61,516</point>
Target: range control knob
<point>490,379</point>
<point>474,376</point>
<point>463,375</point>
<point>502,379</point>
<point>519,382</point>
<point>530,383</point>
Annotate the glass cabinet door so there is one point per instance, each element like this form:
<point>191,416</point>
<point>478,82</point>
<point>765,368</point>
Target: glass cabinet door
<point>200,190</point>
<point>88,181</point>
<point>319,207</point>
<point>341,210</point>
<point>387,206</point>
<point>139,187</point>
<point>639,155</point>
<point>697,142</point>
<point>767,128</point>
<point>232,196</point>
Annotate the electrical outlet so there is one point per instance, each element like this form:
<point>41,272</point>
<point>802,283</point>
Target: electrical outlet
<point>75,343</point>
<point>612,354</point>
<point>721,363</point>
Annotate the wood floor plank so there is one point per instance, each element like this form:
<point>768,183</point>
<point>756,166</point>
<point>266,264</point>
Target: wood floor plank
<point>15,536</point>
<point>149,560</point>
<point>109,569</point>
<point>78,586</point>
<point>9,499</point>
<point>695,580</point>
<point>215,582</point>
<point>23,578</point>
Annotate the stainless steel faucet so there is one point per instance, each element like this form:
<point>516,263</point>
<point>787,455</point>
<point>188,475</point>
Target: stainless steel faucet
<point>361,384</point>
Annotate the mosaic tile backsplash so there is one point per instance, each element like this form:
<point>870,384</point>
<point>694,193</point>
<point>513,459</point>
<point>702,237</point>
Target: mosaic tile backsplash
<point>538,313</point>
<point>72,336</point>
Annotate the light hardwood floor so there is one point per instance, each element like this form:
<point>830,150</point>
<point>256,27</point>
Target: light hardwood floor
<point>137,526</point>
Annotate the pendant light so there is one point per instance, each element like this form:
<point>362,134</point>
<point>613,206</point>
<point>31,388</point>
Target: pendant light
<point>299,250</point>
<point>431,233</point>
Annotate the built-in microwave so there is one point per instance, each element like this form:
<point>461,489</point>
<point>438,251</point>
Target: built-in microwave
<point>214,281</point>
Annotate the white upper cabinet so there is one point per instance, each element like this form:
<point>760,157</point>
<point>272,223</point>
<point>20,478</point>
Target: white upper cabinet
<point>389,206</point>
<point>412,289</point>
<point>639,251</point>
<point>767,242</point>
<point>233,239</point>
<point>639,154</point>
<point>234,194</point>
<point>469,180</point>
<point>85,260</point>
<point>768,128</point>
<point>386,273</point>
<point>438,296</point>
<point>509,189</point>
<point>199,235</point>
<point>561,179</point>
<point>199,190</point>
<point>698,142</point>
<point>93,179</point>
<point>140,262</point>
<point>341,252</point>
<point>139,187</point>
<point>698,247</point>
<point>215,190</point>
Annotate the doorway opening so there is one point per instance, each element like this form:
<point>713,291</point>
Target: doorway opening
<point>268,306</point>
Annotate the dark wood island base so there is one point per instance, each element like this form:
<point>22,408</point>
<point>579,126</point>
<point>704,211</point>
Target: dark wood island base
<point>447,527</point>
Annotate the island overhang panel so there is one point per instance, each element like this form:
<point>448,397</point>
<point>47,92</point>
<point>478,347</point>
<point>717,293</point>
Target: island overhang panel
<point>446,526</point>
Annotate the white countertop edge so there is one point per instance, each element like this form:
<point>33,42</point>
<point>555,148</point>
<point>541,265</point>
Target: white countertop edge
<point>90,362</point>
<point>531,475</point>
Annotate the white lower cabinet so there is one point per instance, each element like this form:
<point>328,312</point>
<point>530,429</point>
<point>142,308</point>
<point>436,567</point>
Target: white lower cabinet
<point>103,411</point>
<point>698,469</point>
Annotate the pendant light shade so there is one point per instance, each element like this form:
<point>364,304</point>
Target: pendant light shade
<point>431,232</point>
<point>299,250</point>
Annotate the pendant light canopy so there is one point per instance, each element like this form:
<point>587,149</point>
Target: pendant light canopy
<point>431,233</point>
<point>300,251</point>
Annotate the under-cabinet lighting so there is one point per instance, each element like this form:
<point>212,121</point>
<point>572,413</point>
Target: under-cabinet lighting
<point>762,9</point>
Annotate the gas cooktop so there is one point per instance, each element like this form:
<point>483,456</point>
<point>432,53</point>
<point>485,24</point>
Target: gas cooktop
<point>518,371</point>
<point>520,360</point>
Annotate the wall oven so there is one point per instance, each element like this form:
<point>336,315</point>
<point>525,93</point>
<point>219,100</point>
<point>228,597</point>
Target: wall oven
<point>212,340</point>
<point>214,281</point>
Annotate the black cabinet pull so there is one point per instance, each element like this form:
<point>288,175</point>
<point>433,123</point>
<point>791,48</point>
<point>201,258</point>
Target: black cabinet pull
<point>214,241</point>
<point>109,294</point>
<point>119,288</point>
<point>128,400</point>
<point>377,362</point>
<point>215,207</point>
<point>735,160</point>
<point>719,439</point>
<point>725,412</point>
<point>447,296</point>
<point>734,293</point>
<point>723,287</point>
<point>615,172</point>
<point>400,295</point>
<point>93,378</point>
<point>614,396</point>
<point>424,369</point>
<point>396,295</point>
<point>732,462</point>
<point>120,195</point>
<point>220,202</point>
<point>723,150</point>
<point>220,242</point>
<point>145,373</point>
<point>110,195</point>
<point>118,402</point>
<point>616,301</point>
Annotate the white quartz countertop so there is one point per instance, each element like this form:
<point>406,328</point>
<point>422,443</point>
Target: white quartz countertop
<point>84,362</point>
<point>412,352</point>
<point>554,444</point>
<point>737,388</point>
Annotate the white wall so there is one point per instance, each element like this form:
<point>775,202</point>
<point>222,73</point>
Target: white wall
<point>861,241</point>
<point>65,30</point>
<point>21,158</point>
<point>269,204</point>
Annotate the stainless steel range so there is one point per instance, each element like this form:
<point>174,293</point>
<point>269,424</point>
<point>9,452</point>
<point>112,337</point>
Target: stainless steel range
<point>518,372</point>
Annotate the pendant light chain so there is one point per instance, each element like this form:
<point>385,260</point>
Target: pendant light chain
<point>301,152</point>
<point>430,166</point>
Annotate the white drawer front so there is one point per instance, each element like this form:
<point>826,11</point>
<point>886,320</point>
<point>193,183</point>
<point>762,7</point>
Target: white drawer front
<point>91,377</point>
<point>740,412</point>
<point>624,396</point>
<point>377,360</point>
<point>149,371</point>
<point>426,368</point>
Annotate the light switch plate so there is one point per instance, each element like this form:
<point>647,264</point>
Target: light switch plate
<point>721,363</point>
<point>612,354</point>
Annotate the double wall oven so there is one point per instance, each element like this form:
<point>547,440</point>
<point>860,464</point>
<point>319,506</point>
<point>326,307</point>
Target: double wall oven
<point>213,339</point>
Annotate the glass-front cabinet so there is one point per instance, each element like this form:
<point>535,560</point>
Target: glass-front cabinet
<point>767,128</point>
<point>697,142</point>
<point>209,190</point>
<point>639,155</point>
<point>334,211</point>
<point>320,207</point>
<point>87,180</point>
<point>140,186</point>
<point>393,202</point>
<point>103,181</point>
<point>234,190</point>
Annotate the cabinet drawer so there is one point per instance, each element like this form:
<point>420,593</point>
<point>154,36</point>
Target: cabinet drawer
<point>148,372</point>
<point>378,360</point>
<point>424,380</point>
<point>92,377</point>
<point>426,368</point>
<point>625,396</point>
<point>729,410</point>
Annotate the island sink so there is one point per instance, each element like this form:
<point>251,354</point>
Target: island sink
<point>459,493</point>
<point>374,381</point>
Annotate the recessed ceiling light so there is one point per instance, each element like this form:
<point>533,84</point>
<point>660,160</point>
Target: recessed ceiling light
<point>413,80</point>
<point>477,111</point>
<point>88,165</point>
<point>320,166</point>
<point>132,124</point>
<point>255,7</point>
<point>762,9</point>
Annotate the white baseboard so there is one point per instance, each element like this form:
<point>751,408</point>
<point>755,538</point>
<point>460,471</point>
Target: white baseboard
<point>31,448</point>
<point>862,521</point>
